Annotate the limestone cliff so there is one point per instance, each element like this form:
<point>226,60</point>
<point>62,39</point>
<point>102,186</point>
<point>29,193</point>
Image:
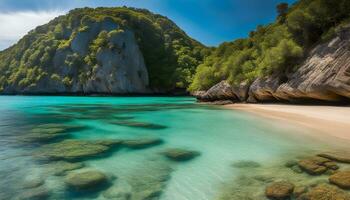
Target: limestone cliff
<point>324,76</point>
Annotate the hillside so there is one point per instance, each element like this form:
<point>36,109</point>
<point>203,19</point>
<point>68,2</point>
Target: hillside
<point>302,56</point>
<point>103,50</point>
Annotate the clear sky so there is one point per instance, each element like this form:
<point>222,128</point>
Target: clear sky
<point>209,21</point>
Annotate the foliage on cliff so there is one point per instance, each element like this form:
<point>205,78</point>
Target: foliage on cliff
<point>170,55</point>
<point>276,48</point>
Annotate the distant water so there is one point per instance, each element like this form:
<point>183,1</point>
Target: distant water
<point>222,137</point>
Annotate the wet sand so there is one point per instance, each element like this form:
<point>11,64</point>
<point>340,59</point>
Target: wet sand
<point>330,120</point>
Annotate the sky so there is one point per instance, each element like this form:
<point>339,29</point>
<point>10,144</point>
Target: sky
<point>208,21</point>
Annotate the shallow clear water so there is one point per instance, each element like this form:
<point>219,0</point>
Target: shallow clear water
<point>222,137</point>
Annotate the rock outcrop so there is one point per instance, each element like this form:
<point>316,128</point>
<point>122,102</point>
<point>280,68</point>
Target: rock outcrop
<point>324,76</point>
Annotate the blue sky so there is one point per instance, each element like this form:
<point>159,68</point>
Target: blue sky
<point>209,21</point>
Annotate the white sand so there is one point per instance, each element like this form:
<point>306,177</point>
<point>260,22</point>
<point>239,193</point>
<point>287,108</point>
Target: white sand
<point>331,120</point>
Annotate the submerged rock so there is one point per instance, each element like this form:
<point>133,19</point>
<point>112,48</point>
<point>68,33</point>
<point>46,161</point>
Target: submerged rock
<point>119,191</point>
<point>74,149</point>
<point>246,164</point>
<point>33,183</point>
<point>343,157</point>
<point>40,193</point>
<point>325,192</point>
<point>180,154</point>
<point>341,179</point>
<point>142,143</point>
<point>138,124</point>
<point>60,168</point>
<point>315,165</point>
<point>88,180</point>
<point>279,190</point>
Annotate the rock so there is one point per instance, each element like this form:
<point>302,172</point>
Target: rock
<point>120,191</point>
<point>279,190</point>
<point>296,169</point>
<point>39,193</point>
<point>241,91</point>
<point>343,157</point>
<point>138,124</point>
<point>298,191</point>
<point>341,179</point>
<point>33,183</point>
<point>263,89</point>
<point>72,150</point>
<point>220,91</point>
<point>88,180</point>
<point>246,164</point>
<point>291,163</point>
<point>314,165</point>
<point>325,192</point>
<point>60,168</point>
<point>180,154</point>
<point>142,143</point>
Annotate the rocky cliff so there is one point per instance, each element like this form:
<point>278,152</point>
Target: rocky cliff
<point>101,51</point>
<point>324,76</point>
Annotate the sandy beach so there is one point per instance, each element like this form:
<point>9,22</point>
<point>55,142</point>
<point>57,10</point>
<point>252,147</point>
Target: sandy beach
<point>331,120</point>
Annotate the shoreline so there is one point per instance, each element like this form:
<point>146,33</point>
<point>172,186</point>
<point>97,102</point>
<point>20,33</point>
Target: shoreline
<point>327,120</point>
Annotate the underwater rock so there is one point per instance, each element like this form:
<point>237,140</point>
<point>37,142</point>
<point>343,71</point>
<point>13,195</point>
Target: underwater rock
<point>337,156</point>
<point>246,164</point>
<point>40,193</point>
<point>142,143</point>
<point>88,180</point>
<point>33,183</point>
<point>149,179</point>
<point>341,179</point>
<point>119,191</point>
<point>298,191</point>
<point>180,154</point>
<point>138,124</point>
<point>71,150</point>
<point>60,168</point>
<point>279,190</point>
<point>325,192</point>
<point>314,165</point>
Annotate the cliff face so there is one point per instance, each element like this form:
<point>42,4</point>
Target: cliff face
<point>323,76</point>
<point>101,51</point>
<point>120,67</point>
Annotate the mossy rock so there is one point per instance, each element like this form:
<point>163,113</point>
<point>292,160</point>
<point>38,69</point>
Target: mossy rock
<point>135,124</point>
<point>341,179</point>
<point>33,183</point>
<point>121,190</point>
<point>72,150</point>
<point>325,192</point>
<point>177,154</point>
<point>88,180</point>
<point>279,190</point>
<point>314,165</point>
<point>142,143</point>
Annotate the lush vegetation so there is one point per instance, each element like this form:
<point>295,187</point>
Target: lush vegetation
<point>276,48</point>
<point>170,55</point>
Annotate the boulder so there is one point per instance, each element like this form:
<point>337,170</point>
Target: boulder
<point>142,143</point>
<point>279,190</point>
<point>325,192</point>
<point>39,193</point>
<point>32,183</point>
<point>72,150</point>
<point>60,168</point>
<point>314,165</point>
<point>119,191</point>
<point>341,179</point>
<point>220,91</point>
<point>343,157</point>
<point>180,154</point>
<point>88,180</point>
<point>263,89</point>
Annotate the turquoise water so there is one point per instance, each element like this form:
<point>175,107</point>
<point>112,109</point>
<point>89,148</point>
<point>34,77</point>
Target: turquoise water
<point>222,137</point>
